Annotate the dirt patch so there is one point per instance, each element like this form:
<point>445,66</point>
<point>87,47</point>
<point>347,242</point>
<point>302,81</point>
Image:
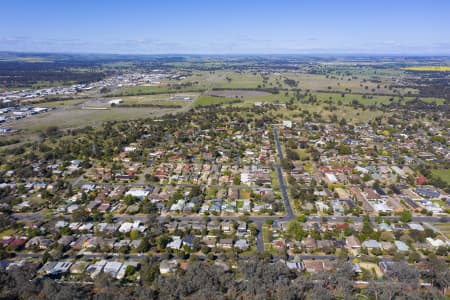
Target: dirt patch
<point>237,93</point>
<point>76,117</point>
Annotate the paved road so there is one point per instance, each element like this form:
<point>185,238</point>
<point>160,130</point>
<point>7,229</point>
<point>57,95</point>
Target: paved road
<point>80,182</point>
<point>436,230</point>
<point>89,255</point>
<point>37,216</point>
<point>284,194</point>
<point>121,257</point>
<point>259,237</point>
<point>283,188</point>
<point>277,143</point>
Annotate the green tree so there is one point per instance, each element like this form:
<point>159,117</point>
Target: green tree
<point>301,218</point>
<point>129,271</point>
<point>295,231</point>
<point>144,246</point>
<point>80,215</point>
<point>149,271</point>
<point>406,216</point>
<point>134,235</point>
<point>414,256</point>
<point>108,218</point>
<point>441,251</point>
<point>344,149</point>
<point>45,257</point>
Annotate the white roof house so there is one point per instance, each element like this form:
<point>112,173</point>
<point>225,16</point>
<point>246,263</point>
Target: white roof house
<point>381,207</point>
<point>122,271</point>
<point>361,169</point>
<point>331,177</point>
<point>401,246</point>
<point>415,226</point>
<point>175,244</point>
<point>436,243</point>
<point>241,244</point>
<point>138,193</point>
<point>287,123</point>
<point>115,101</point>
<point>61,224</point>
<point>56,267</point>
<point>112,268</point>
<point>96,268</point>
<point>128,226</point>
<point>370,244</point>
<point>168,266</point>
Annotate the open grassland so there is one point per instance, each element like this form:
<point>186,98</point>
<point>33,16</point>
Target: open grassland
<point>369,100</point>
<point>239,80</point>
<point>351,114</point>
<point>150,99</point>
<point>444,228</point>
<point>151,90</point>
<point>158,99</point>
<point>237,93</point>
<point>73,117</point>
<point>280,97</point>
<point>341,87</point>
<point>429,68</point>
<point>303,154</point>
<point>210,100</point>
<point>373,268</point>
<point>344,83</point>
<point>61,103</point>
<point>362,68</point>
<point>443,174</point>
<point>68,113</point>
<point>355,81</point>
<point>6,233</point>
<point>232,80</point>
<point>30,59</point>
<point>46,84</point>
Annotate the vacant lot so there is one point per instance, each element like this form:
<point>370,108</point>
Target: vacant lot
<point>444,228</point>
<point>61,103</point>
<point>429,68</point>
<point>160,99</point>
<point>237,93</point>
<point>210,100</point>
<point>75,117</point>
<point>154,90</point>
<point>443,174</point>
<point>369,99</point>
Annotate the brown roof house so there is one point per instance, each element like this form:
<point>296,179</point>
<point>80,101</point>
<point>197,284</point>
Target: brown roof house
<point>352,242</point>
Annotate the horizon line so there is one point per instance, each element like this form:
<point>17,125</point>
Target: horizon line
<point>237,54</point>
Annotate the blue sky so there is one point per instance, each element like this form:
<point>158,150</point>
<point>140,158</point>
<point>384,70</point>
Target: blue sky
<point>226,27</point>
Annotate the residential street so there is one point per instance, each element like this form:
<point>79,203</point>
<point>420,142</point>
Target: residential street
<point>283,188</point>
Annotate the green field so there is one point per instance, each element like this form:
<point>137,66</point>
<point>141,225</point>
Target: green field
<point>369,99</point>
<point>75,117</point>
<point>443,174</point>
<point>8,232</point>
<point>444,228</point>
<point>53,104</point>
<point>210,100</point>
<point>158,99</point>
<point>429,68</point>
<point>303,154</point>
<point>151,90</point>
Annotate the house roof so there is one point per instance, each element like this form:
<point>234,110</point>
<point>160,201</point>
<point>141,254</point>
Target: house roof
<point>371,244</point>
<point>401,246</point>
<point>352,241</point>
<point>416,226</point>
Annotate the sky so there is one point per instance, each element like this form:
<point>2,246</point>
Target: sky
<point>416,27</point>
